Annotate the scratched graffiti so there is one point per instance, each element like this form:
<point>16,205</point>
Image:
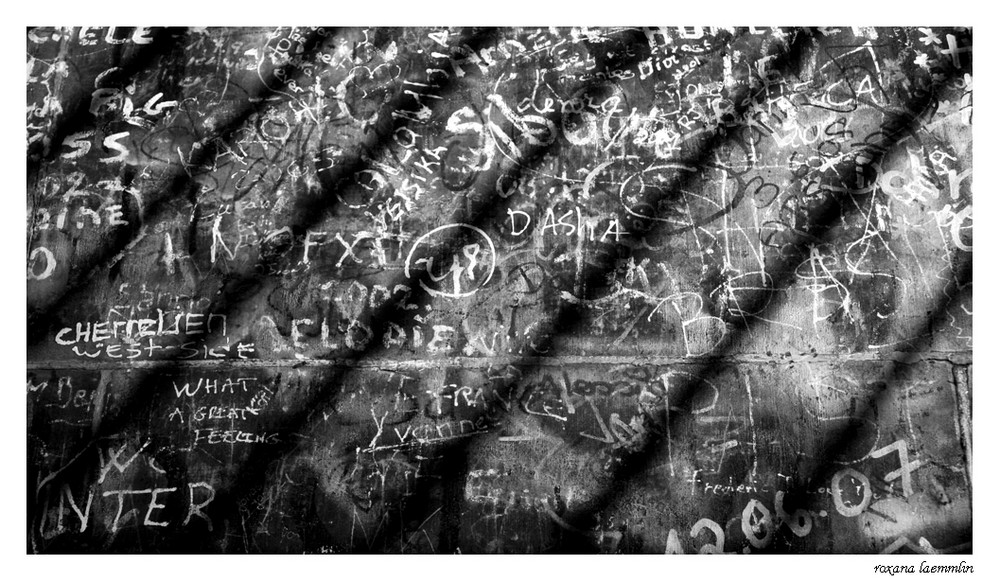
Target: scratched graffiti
<point>518,290</point>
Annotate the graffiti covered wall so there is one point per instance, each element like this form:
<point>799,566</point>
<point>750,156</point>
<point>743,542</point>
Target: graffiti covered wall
<point>499,290</point>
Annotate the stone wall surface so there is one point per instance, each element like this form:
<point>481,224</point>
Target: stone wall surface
<point>507,290</point>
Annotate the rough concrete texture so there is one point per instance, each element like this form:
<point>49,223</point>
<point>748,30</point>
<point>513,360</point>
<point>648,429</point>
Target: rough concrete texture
<point>499,290</point>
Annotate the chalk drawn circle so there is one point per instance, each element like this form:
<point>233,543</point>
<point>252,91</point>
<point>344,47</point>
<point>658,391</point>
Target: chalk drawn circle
<point>661,193</point>
<point>468,270</point>
<point>49,262</point>
<point>838,499</point>
<point>751,524</point>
